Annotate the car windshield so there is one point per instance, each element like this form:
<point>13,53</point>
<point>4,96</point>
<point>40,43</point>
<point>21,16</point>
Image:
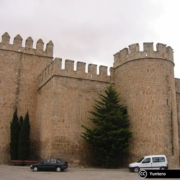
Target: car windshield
<point>140,160</point>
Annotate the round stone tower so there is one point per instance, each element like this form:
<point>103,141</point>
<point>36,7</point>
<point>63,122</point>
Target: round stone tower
<point>145,80</point>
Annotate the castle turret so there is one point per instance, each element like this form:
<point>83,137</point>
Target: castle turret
<point>146,82</point>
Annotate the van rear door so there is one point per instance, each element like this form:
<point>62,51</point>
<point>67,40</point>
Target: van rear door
<point>158,162</point>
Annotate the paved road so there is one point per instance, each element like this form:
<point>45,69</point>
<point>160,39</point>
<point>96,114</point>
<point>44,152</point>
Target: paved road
<point>24,173</point>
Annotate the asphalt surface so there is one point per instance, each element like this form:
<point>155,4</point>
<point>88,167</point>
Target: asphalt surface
<point>25,173</point>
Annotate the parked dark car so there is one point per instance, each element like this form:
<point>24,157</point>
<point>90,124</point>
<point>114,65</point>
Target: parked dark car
<point>51,164</point>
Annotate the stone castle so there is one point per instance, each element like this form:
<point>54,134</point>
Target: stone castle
<point>58,99</point>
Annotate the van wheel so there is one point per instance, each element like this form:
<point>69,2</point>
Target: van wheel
<point>162,168</point>
<point>136,169</point>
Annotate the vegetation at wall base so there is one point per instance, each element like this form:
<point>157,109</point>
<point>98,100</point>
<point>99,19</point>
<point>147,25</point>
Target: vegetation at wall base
<point>109,138</point>
<point>24,139</point>
<point>20,137</point>
<point>21,121</point>
<point>15,128</point>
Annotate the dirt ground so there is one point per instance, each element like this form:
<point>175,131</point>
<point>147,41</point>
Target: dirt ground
<point>25,173</point>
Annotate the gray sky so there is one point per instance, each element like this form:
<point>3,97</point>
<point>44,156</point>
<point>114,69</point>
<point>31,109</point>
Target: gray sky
<point>93,31</point>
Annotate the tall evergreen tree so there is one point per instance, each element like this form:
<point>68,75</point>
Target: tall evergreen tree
<point>21,121</point>
<point>110,135</point>
<point>14,128</point>
<point>24,139</point>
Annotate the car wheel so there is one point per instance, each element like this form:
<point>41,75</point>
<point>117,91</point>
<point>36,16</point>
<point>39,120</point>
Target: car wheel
<point>35,169</point>
<point>136,169</point>
<point>58,169</point>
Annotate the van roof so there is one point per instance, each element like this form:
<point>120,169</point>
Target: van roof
<point>159,155</point>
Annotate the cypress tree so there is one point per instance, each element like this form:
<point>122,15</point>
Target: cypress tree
<point>21,121</point>
<point>14,129</point>
<point>24,139</point>
<point>110,135</point>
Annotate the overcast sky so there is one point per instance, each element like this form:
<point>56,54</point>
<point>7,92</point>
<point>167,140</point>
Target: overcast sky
<point>93,31</point>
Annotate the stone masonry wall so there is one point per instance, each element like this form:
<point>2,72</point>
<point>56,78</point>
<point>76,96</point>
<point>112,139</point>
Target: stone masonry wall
<point>19,69</point>
<point>30,68</point>
<point>44,120</point>
<point>58,100</point>
<point>147,87</point>
<point>178,105</point>
<point>69,99</point>
<point>8,97</point>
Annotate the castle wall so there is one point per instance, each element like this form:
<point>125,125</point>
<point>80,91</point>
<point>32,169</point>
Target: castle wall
<point>69,99</point>
<point>177,81</point>
<point>146,83</point>
<point>30,68</point>
<point>58,100</point>
<point>44,120</point>
<point>19,69</point>
<point>9,65</point>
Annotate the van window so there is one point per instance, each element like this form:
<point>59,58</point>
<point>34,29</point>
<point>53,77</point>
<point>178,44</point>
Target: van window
<point>161,159</point>
<point>155,159</point>
<point>158,159</point>
<point>147,160</point>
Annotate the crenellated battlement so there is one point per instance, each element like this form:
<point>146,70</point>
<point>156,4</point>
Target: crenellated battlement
<point>133,53</point>
<point>55,69</point>
<point>17,45</point>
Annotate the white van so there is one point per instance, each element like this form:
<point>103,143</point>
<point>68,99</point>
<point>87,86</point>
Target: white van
<point>151,162</point>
